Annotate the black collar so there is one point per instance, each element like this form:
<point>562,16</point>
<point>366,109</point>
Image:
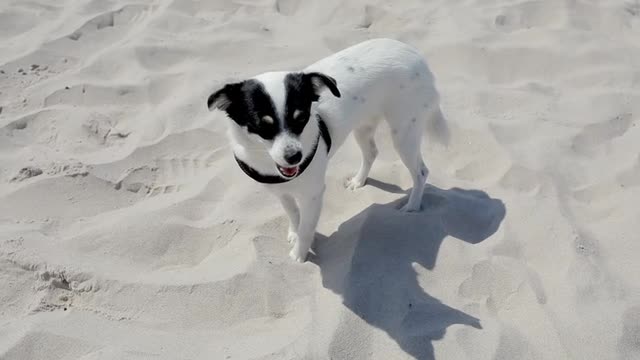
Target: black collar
<point>277,179</point>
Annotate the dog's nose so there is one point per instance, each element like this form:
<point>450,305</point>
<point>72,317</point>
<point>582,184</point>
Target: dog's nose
<point>293,156</point>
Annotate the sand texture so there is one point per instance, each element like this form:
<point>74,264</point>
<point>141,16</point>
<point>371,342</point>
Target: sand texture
<point>127,231</point>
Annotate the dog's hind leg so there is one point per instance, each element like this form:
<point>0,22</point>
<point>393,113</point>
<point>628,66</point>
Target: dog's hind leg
<point>407,137</point>
<point>365,137</point>
<point>291,208</point>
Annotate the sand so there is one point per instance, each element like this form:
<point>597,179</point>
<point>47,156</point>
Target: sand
<point>128,232</point>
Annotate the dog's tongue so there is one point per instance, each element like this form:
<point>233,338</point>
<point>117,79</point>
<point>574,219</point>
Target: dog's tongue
<point>289,171</point>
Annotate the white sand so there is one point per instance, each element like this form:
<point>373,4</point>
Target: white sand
<point>128,232</point>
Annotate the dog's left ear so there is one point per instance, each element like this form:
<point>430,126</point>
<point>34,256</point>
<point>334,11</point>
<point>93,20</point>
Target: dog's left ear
<point>321,81</point>
<point>221,99</point>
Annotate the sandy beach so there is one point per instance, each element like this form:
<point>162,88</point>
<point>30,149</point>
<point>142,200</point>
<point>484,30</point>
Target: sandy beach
<point>127,231</point>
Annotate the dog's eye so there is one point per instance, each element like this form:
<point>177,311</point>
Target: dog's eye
<point>264,126</point>
<point>298,115</point>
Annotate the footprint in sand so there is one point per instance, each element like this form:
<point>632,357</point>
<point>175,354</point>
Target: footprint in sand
<point>175,174</point>
<point>287,7</point>
<point>55,293</point>
<point>27,173</point>
<point>497,281</point>
<point>170,164</point>
<point>122,17</point>
<point>167,175</point>
<point>530,14</point>
<point>601,133</point>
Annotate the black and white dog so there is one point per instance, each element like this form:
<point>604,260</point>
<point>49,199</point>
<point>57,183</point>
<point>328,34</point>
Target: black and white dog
<point>285,126</point>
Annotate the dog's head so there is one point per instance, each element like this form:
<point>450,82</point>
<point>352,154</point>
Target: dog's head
<point>271,111</point>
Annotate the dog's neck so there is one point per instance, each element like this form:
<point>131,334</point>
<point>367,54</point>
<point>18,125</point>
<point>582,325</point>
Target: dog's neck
<point>271,177</point>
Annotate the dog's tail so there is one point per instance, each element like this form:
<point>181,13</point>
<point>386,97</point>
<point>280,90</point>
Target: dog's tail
<point>437,127</point>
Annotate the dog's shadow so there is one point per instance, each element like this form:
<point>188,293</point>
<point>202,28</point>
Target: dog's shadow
<point>377,280</point>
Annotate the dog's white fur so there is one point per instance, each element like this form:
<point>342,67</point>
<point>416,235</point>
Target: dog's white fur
<point>378,79</point>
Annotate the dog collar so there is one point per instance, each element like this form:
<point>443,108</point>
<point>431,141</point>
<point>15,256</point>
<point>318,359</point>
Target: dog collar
<point>276,179</point>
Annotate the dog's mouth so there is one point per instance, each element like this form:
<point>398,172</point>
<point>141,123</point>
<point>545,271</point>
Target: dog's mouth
<point>288,172</point>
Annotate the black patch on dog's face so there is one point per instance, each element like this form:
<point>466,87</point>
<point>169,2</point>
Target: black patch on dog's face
<point>249,105</point>
<point>299,94</point>
<point>302,89</point>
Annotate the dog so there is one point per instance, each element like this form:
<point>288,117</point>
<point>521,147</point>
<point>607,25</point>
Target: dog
<point>284,126</point>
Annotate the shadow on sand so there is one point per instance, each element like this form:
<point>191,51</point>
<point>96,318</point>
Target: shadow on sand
<point>378,282</point>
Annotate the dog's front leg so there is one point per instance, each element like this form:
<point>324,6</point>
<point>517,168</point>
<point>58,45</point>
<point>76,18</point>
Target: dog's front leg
<point>291,208</point>
<point>310,207</point>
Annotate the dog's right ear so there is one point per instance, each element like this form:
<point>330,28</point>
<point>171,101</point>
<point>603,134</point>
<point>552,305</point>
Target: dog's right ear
<point>223,98</point>
<point>321,81</point>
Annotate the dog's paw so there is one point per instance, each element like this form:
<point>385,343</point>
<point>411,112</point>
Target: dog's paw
<point>292,237</point>
<point>298,254</point>
<point>410,208</point>
<point>354,183</point>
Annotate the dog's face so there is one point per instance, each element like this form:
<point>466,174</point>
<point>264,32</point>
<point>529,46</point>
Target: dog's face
<point>271,111</point>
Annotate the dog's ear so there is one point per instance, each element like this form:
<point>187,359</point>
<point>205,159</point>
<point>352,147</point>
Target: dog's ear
<point>222,99</point>
<point>321,81</point>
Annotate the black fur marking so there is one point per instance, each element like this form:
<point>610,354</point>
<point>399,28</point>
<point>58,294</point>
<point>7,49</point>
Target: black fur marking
<point>327,81</point>
<point>302,89</point>
<point>299,94</point>
<point>247,103</point>
<point>277,179</point>
<point>324,132</point>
